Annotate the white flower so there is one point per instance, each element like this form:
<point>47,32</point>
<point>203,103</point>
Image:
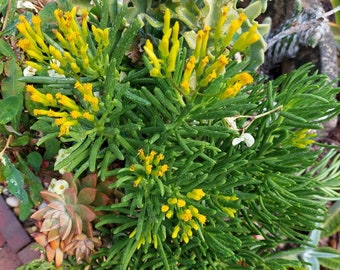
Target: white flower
<point>26,4</point>
<point>245,137</point>
<point>29,71</point>
<point>231,122</point>
<point>52,185</point>
<point>53,73</point>
<point>58,186</point>
<point>61,156</point>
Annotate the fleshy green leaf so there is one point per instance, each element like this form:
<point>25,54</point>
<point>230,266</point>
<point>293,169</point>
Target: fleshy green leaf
<point>10,107</point>
<point>86,195</point>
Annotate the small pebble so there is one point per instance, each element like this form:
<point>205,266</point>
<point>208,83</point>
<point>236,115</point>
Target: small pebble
<point>16,210</point>
<point>13,201</point>
<point>5,191</point>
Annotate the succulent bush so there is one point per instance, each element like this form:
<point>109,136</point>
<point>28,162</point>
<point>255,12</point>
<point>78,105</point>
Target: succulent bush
<point>192,159</point>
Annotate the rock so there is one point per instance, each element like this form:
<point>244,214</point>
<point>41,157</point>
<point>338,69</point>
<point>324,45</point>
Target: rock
<point>13,201</point>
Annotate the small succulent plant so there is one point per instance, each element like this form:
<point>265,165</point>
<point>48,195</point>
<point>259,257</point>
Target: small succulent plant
<point>65,223</point>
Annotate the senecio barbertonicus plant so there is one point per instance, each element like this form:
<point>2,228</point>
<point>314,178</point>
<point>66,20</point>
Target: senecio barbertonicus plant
<point>206,159</point>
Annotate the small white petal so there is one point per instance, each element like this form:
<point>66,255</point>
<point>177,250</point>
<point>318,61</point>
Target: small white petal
<point>29,5</point>
<point>231,122</point>
<point>60,186</point>
<point>236,141</point>
<point>29,71</point>
<point>248,139</point>
<point>52,185</point>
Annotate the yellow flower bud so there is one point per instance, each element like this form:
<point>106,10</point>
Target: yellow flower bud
<point>169,214</point>
<point>164,208</point>
<point>172,201</point>
<point>176,231</point>
<point>230,211</point>
<point>137,181</point>
<point>181,203</point>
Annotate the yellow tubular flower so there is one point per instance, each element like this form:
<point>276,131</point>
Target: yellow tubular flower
<point>52,113</point>
<point>246,39</point>
<point>37,112</point>
<point>172,201</point>
<point>186,215</point>
<point>28,44</point>
<point>185,238</point>
<point>206,32</point>
<point>67,102</point>
<point>140,242</point>
<point>219,64</point>
<point>137,181</point>
<point>181,203</point>
<point>84,29</point>
<point>193,224</point>
<point>28,27</point>
<point>187,229</point>
<point>201,218</point>
<point>196,194</point>
<point>65,127</point>
<point>164,208</point>
<point>169,214</point>
<point>156,71</point>
<point>88,116</point>
<point>106,41</point>
<point>71,38</point>
<point>174,49</point>
<point>302,138</point>
<point>133,233</point>
<point>233,27</point>
<point>187,74</point>
<point>34,65</point>
<point>36,55</point>
<point>231,91</point>
<point>97,32</point>
<point>69,57</point>
<point>198,46</point>
<point>235,84</point>
<point>61,38</point>
<point>75,68</point>
<point>220,23</point>
<point>230,211</point>
<point>36,96</point>
<point>202,64</point>
<point>164,44</point>
<point>76,114</point>
<point>55,67</point>
<point>41,43</point>
<point>176,231</point>
<point>58,14</point>
<point>57,55</point>
<point>36,20</point>
<point>155,241</point>
<point>167,17</point>
<point>210,77</point>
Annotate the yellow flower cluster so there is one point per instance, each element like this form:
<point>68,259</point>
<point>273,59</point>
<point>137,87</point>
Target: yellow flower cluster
<point>235,84</point>
<point>205,69</point>
<point>302,138</point>
<point>168,55</point>
<point>202,67</point>
<point>68,111</point>
<point>228,210</point>
<point>73,55</point>
<point>151,166</point>
<point>188,216</point>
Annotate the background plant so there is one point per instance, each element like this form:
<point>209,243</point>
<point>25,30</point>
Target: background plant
<point>209,156</point>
